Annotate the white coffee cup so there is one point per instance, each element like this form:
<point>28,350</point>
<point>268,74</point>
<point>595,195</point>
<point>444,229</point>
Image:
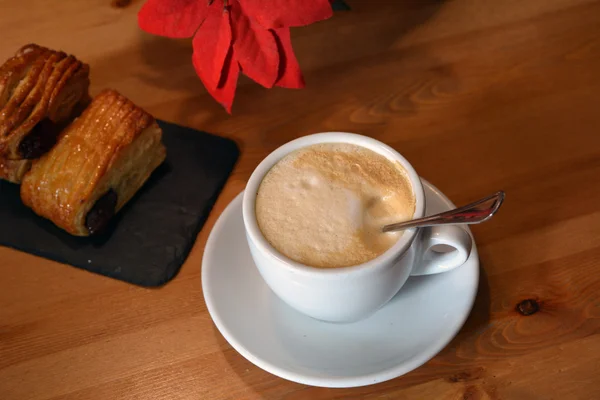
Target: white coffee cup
<point>349,294</point>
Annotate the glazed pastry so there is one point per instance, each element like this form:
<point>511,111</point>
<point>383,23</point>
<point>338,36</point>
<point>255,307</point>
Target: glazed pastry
<point>99,162</point>
<point>39,91</point>
<point>14,170</point>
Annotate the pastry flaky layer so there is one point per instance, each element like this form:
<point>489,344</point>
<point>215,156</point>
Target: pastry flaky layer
<point>13,170</point>
<point>39,91</point>
<point>99,162</point>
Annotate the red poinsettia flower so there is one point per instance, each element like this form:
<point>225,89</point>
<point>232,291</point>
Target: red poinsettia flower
<point>233,36</point>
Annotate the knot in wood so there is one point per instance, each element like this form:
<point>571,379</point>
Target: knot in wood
<point>528,307</point>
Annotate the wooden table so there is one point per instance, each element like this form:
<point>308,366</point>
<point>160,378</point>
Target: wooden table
<point>479,95</point>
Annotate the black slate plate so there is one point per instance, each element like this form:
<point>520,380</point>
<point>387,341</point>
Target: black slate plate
<point>153,234</point>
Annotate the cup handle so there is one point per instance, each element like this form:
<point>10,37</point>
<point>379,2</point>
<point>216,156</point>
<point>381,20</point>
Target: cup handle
<point>434,262</point>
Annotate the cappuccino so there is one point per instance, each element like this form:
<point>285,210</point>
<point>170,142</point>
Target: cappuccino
<point>324,205</point>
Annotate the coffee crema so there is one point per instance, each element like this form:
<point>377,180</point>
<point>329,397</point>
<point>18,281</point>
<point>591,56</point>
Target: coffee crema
<point>324,205</point>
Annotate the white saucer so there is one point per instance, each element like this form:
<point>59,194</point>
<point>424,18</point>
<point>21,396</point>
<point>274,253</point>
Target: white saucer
<point>417,323</point>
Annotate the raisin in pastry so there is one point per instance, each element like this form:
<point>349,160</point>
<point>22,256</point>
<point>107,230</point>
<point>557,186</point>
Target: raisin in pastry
<point>99,162</point>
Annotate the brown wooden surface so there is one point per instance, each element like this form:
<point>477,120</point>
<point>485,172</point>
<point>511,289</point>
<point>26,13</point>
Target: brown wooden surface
<point>479,95</point>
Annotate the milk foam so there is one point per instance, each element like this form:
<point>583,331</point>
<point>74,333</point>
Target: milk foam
<point>324,205</point>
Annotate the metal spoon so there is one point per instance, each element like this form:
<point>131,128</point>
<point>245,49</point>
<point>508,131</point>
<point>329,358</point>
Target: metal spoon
<point>473,213</point>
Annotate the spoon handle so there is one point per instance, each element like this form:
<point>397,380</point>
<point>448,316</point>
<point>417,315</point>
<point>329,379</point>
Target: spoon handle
<point>474,213</point>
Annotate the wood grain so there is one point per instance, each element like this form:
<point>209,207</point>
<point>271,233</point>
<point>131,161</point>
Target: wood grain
<point>478,95</point>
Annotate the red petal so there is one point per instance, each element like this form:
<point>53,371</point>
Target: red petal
<point>255,48</point>
<point>286,13</point>
<point>172,18</point>
<point>211,45</point>
<point>225,91</point>
<point>290,75</point>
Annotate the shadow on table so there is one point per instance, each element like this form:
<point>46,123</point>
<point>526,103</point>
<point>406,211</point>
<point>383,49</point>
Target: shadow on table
<point>477,321</point>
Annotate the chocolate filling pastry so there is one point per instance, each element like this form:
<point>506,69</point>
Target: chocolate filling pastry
<point>40,139</point>
<point>99,216</point>
<point>96,166</point>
